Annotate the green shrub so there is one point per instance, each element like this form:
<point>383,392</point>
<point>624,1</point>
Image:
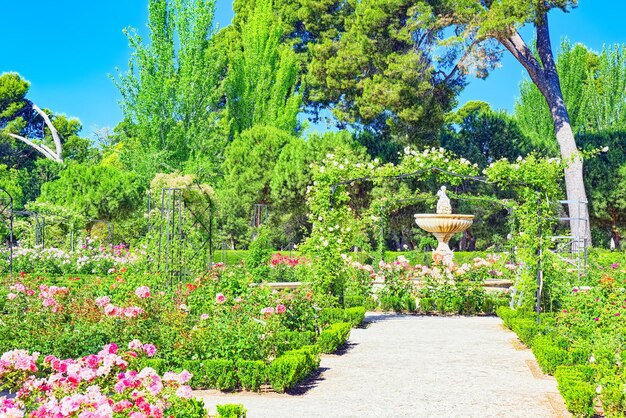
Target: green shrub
<point>251,374</point>
<point>156,363</point>
<point>287,370</point>
<point>579,394</point>
<point>580,351</point>
<point>395,303</point>
<point>186,408</point>
<point>231,411</point>
<point>334,336</point>
<point>548,354</point>
<point>612,396</point>
<point>196,368</point>
<point>221,374</point>
<point>426,305</point>
<point>526,329</point>
<point>290,340</point>
<point>507,314</point>
<point>355,315</point>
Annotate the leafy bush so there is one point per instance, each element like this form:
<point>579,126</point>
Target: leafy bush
<point>334,336</point>
<point>221,374</point>
<point>287,370</point>
<point>548,354</point>
<point>251,374</point>
<point>354,315</point>
<point>526,329</point>
<point>196,368</point>
<point>579,394</point>
<point>231,411</point>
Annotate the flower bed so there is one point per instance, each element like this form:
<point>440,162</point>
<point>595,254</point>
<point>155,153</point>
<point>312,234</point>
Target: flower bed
<point>583,343</point>
<point>88,259</point>
<point>228,334</point>
<point>443,289</point>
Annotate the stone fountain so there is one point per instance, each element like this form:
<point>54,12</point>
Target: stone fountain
<point>443,225</point>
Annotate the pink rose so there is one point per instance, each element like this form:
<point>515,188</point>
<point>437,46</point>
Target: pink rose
<point>204,316</point>
<point>280,309</point>
<point>143,292</point>
<point>267,311</point>
<point>135,345</point>
<point>184,392</point>
<point>103,301</point>
<point>11,296</point>
<point>149,349</point>
<point>220,298</point>
<point>184,377</point>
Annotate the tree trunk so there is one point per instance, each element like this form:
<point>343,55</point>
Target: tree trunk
<point>546,78</point>
<point>550,87</point>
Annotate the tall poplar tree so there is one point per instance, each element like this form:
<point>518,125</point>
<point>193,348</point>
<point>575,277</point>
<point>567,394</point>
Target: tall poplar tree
<point>262,74</point>
<point>173,90</point>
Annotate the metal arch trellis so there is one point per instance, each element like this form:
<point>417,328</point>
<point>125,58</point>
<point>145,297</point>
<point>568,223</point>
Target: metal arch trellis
<point>40,225</point>
<point>175,250</point>
<point>481,179</point>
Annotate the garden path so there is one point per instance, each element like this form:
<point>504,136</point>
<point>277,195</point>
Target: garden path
<point>417,366</point>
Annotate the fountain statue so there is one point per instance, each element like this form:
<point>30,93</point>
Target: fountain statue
<point>443,225</point>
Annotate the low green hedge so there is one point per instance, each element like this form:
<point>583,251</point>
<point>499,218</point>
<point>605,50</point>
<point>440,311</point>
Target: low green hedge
<point>507,315</point>
<point>354,315</point>
<point>548,353</point>
<point>290,368</point>
<point>251,374</point>
<point>578,393</point>
<point>334,336</point>
<point>231,411</point>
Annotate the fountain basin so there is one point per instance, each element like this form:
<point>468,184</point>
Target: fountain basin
<point>446,224</point>
<point>443,226</point>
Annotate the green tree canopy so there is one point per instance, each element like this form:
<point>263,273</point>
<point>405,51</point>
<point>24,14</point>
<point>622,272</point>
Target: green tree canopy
<point>173,90</point>
<point>378,64</point>
<point>95,191</point>
<point>483,136</point>
<point>263,73</point>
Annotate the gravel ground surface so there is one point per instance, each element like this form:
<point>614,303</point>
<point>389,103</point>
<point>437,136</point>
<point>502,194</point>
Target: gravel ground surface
<point>416,366</point>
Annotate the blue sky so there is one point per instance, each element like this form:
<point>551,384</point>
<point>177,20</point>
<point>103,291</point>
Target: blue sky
<point>67,49</point>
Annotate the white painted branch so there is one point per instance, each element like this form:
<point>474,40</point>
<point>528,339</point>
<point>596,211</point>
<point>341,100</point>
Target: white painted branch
<point>55,134</point>
<point>47,152</point>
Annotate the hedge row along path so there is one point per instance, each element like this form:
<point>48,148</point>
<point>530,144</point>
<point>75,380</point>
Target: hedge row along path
<point>417,366</point>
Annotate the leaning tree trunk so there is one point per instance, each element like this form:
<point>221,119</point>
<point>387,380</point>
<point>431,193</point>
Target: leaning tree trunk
<point>544,75</point>
<point>574,184</point>
<point>550,87</point>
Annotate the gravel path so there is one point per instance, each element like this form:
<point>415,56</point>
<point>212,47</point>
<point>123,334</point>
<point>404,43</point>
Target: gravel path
<point>417,366</point>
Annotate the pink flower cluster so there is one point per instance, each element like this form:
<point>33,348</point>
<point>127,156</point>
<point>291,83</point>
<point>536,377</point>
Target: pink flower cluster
<point>280,309</point>
<point>136,345</point>
<point>116,311</point>
<point>47,295</point>
<point>143,292</point>
<point>17,361</point>
<point>82,388</point>
<point>285,260</point>
<point>19,288</point>
<point>220,298</point>
<point>8,409</point>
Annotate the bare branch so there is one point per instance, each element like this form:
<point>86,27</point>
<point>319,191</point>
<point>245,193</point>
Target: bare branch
<point>47,152</point>
<point>55,134</point>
